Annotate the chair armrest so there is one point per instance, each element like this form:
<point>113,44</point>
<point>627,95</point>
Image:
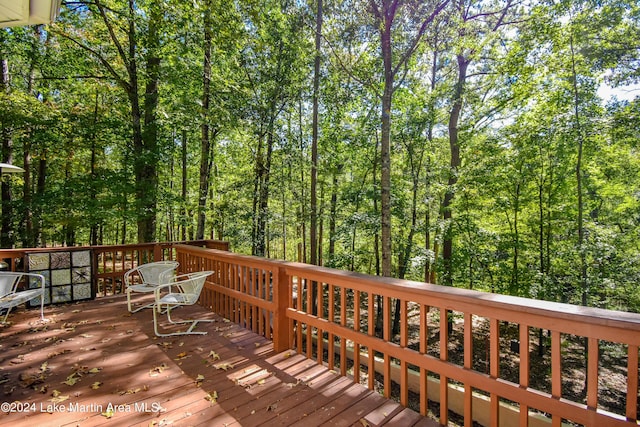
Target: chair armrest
<point>174,283</point>
<point>39,277</point>
<point>157,289</point>
<point>127,274</point>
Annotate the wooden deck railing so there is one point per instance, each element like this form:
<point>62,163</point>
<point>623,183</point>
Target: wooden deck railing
<point>112,261</point>
<point>109,262</point>
<point>474,353</point>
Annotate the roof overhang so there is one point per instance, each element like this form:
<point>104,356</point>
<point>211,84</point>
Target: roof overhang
<point>14,13</point>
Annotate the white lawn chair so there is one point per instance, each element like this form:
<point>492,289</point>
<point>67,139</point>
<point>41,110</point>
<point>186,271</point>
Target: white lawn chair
<point>184,290</point>
<point>11,295</point>
<point>146,278</point>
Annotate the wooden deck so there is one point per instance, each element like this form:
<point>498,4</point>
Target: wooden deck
<point>93,363</point>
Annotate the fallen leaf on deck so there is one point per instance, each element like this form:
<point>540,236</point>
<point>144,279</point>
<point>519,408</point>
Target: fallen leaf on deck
<point>364,422</point>
<point>213,355</point>
<point>199,380</point>
<point>27,380</point>
<point>96,385</point>
<point>133,391</point>
<point>57,397</point>
<point>157,370</point>
<point>108,413</point>
<point>181,356</point>
<point>292,385</point>
<point>94,370</point>
<point>57,353</point>
<point>44,367</point>
<point>71,380</point>
<point>212,396</point>
<point>224,366</point>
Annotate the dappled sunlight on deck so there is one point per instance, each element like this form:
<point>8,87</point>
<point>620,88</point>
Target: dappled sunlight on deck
<point>93,363</point>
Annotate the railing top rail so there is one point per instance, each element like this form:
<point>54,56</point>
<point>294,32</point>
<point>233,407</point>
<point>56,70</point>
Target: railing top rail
<point>163,244</point>
<point>100,248</point>
<point>266,263</point>
<point>477,302</point>
<point>505,307</point>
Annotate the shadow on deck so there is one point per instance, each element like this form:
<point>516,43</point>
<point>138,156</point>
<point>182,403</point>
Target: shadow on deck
<point>93,363</point>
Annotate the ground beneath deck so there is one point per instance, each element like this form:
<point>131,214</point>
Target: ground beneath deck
<point>94,364</point>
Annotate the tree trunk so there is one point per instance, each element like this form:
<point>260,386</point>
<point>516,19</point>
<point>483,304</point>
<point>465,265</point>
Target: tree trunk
<point>93,233</point>
<point>261,187</point>
<point>185,216</point>
<point>146,172</point>
<point>205,146</point>
<point>7,238</point>
<point>385,143</point>
<point>579,132</point>
<point>314,141</point>
<point>333,208</point>
<point>454,118</point>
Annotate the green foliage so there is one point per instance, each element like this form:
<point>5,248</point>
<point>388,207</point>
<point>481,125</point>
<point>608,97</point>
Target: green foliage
<point>530,98</point>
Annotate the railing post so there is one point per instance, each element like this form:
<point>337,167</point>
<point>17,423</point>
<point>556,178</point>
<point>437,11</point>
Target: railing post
<point>157,252</point>
<point>280,332</point>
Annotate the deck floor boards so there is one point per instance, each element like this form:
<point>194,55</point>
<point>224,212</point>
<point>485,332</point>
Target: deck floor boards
<point>95,364</point>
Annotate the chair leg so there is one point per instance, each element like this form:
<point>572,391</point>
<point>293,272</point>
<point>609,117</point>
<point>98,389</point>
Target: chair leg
<point>6,315</point>
<point>135,310</point>
<point>188,331</point>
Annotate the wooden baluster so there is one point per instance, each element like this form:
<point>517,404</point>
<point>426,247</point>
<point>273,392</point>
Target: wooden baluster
<point>404,342</point>
<point>468,364</point>
<point>592,373</point>
<point>632,383</point>
<point>524,371</point>
<point>343,322</point>
<point>424,374</point>
<point>309,310</point>
<point>444,355</point>
<point>556,373</point>
<point>372,332</point>
<point>356,328</point>
<point>494,367</point>
<point>386,333</point>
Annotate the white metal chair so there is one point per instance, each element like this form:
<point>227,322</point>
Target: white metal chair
<point>11,296</point>
<point>184,290</point>
<point>146,278</point>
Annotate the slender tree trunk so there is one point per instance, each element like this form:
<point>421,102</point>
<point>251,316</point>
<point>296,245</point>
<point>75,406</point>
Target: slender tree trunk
<point>261,186</point>
<point>580,137</point>
<point>314,141</point>
<point>333,208</point>
<point>7,237</point>
<point>147,170</point>
<point>385,141</point>
<point>93,234</point>
<point>185,214</point>
<point>302,219</point>
<point>454,145</point>
<point>515,279</point>
<point>205,146</point>
<point>31,236</point>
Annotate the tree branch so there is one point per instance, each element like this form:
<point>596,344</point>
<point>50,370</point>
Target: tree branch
<point>423,28</point>
<point>122,82</point>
